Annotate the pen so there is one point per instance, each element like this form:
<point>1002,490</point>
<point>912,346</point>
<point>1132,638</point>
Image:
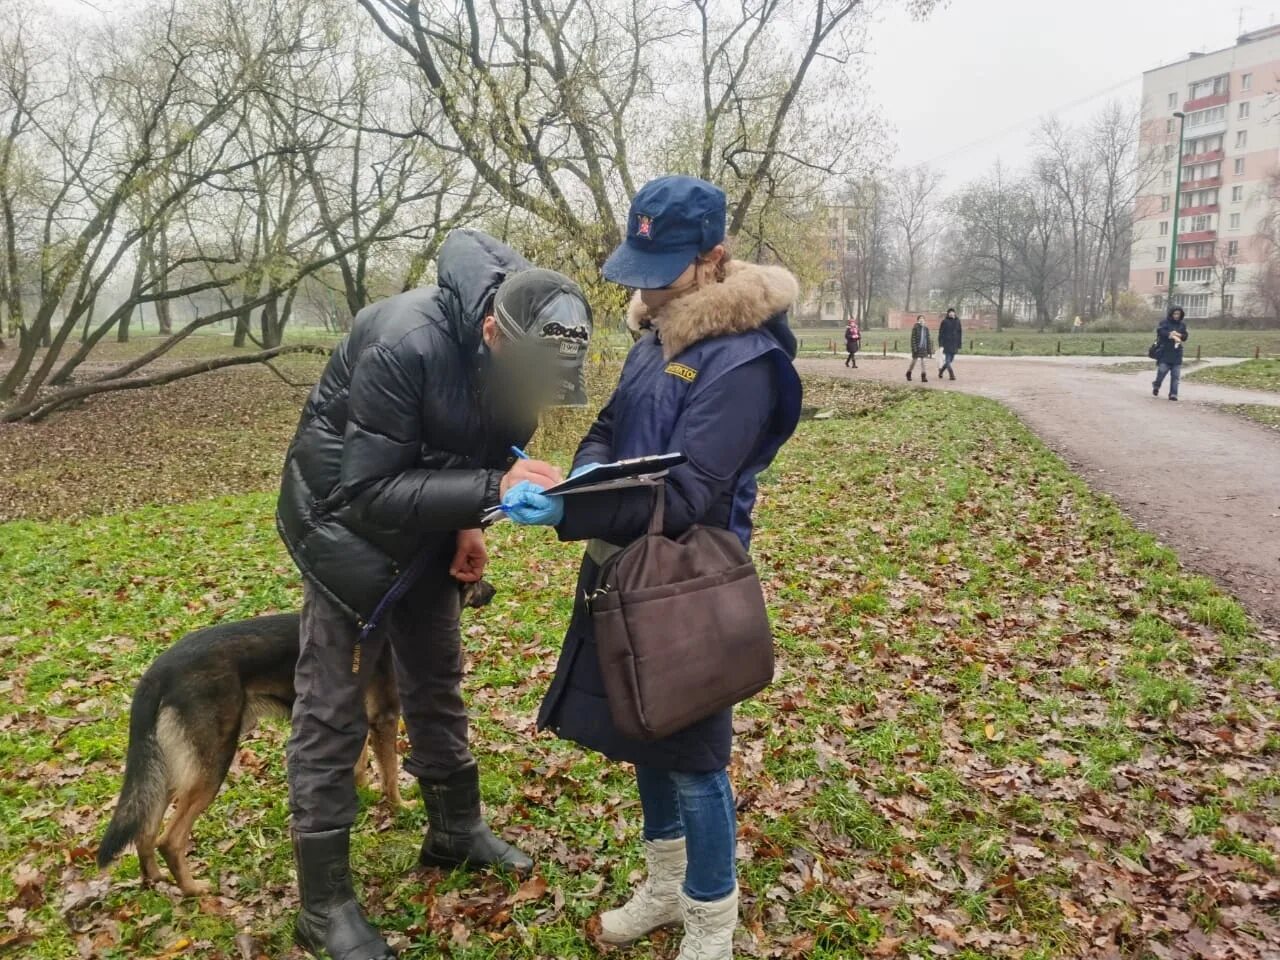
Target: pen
<point>519,453</point>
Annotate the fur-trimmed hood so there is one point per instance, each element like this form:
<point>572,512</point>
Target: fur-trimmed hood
<point>749,297</point>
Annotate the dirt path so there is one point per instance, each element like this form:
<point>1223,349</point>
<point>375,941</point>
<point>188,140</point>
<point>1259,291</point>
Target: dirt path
<point>1204,481</point>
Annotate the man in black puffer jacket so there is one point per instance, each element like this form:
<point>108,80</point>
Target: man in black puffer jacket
<point>403,446</point>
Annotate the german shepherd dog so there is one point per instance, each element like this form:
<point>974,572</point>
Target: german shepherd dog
<point>192,707</point>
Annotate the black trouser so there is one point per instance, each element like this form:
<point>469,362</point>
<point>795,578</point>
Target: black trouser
<point>329,725</point>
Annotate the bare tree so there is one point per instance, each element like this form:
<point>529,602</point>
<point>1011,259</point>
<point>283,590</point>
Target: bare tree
<point>984,259</point>
<point>913,205</point>
<point>864,261</point>
<point>558,106</point>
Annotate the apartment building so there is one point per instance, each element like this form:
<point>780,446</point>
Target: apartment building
<point>1230,149</point>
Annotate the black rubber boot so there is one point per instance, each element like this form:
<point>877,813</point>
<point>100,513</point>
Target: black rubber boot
<point>331,923</point>
<point>951,373</point>
<point>908,374</point>
<point>924,378</point>
<point>457,835</point>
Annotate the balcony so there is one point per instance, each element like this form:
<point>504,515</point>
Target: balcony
<point>1199,236</point>
<point>1194,159</point>
<point>1204,103</point>
<point>1197,211</point>
<point>1195,262</point>
<point>1205,184</point>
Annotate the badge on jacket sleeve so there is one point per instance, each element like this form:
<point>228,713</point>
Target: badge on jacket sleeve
<point>687,374</point>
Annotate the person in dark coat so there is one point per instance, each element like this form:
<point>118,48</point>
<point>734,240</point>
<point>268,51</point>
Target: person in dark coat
<point>921,348</point>
<point>1170,336</point>
<point>402,447</point>
<point>950,338</point>
<point>710,377</point>
<point>852,343</point>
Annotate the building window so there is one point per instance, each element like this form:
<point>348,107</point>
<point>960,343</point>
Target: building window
<point>1246,81</point>
<point>1159,278</point>
<point>1164,228</point>
<point>1201,222</point>
<point>1235,221</point>
<point>1168,151</point>
<point>1237,194</point>
<point>1168,126</point>
<point>1164,204</point>
<point>1233,248</point>
<point>1168,178</point>
<point>1240,167</point>
<point>1229,275</point>
<point>1195,275</point>
<point>1173,101</point>
<point>1242,138</point>
<point>1244,110</point>
<point>1196,305</point>
<point>1228,303</point>
<point>1161,253</point>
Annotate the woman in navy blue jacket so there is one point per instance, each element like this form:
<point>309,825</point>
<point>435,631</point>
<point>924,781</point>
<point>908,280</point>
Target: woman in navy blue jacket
<point>711,377</point>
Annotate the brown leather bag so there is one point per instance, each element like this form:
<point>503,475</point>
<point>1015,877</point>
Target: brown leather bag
<point>681,628</point>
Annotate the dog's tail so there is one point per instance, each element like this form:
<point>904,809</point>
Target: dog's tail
<point>144,794</point>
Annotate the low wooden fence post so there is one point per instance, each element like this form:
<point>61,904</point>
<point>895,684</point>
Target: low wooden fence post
<point>1197,353</point>
<point>1104,348</point>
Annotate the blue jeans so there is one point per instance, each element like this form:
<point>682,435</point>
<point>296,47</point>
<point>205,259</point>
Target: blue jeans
<point>947,358</point>
<point>700,808</point>
<point>1174,370</point>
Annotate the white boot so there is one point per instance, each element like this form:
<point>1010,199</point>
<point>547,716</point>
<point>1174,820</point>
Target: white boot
<point>657,902</point>
<point>708,928</point>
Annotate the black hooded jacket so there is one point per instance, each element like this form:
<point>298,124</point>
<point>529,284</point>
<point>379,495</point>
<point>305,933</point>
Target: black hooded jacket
<point>396,449</point>
<point>1168,351</point>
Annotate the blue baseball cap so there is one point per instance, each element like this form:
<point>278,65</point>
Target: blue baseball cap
<point>671,221</point>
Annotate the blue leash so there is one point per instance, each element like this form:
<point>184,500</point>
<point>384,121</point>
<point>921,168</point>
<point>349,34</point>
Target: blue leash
<point>399,588</point>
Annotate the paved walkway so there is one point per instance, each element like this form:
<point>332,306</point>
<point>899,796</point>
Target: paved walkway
<point>1204,481</point>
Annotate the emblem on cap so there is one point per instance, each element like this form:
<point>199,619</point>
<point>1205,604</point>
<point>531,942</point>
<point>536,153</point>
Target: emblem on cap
<point>644,227</point>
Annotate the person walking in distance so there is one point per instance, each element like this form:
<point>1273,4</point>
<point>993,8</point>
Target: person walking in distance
<point>852,343</point>
<point>921,348</point>
<point>402,448</point>
<point>950,337</point>
<point>1170,336</point>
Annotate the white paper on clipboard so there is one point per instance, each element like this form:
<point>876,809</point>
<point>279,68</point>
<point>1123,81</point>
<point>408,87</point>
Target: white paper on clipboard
<point>636,472</point>
<point>622,483</point>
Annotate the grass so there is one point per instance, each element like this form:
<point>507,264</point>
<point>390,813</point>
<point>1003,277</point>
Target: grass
<point>1267,416</point>
<point>1025,343</point>
<point>1253,374</point>
<point>997,704</point>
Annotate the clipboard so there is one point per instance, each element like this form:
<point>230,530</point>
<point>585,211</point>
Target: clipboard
<point>620,475</point>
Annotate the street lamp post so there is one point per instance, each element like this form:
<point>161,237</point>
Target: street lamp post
<point>1177,206</point>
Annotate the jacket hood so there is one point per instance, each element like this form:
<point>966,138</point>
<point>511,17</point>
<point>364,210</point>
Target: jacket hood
<point>471,267</point>
<point>752,296</point>
<point>1177,306</point>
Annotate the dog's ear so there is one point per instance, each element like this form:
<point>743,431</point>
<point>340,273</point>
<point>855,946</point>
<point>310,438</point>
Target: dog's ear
<point>478,594</point>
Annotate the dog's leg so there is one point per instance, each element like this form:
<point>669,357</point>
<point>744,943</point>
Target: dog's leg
<point>362,765</point>
<point>173,845</point>
<point>145,843</point>
<point>383,734</point>
<point>382,710</point>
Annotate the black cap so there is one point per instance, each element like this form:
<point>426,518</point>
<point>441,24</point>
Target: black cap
<point>547,314</point>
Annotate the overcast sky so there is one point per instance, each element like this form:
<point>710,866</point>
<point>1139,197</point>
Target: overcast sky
<point>968,85</point>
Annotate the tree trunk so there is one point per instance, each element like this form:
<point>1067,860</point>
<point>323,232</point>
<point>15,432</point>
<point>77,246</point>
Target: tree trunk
<point>242,329</point>
<point>269,321</point>
<point>88,321</point>
<point>163,317</point>
<point>122,331</point>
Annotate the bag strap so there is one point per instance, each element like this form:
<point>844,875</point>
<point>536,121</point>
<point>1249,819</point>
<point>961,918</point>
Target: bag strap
<point>659,514</point>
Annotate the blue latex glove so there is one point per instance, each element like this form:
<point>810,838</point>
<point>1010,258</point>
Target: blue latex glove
<point>526,504</point>
<point>585,468</point>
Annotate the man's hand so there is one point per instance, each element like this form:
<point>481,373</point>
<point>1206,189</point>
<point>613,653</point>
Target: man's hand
<point>535,471</point>
<point>470,558</point>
